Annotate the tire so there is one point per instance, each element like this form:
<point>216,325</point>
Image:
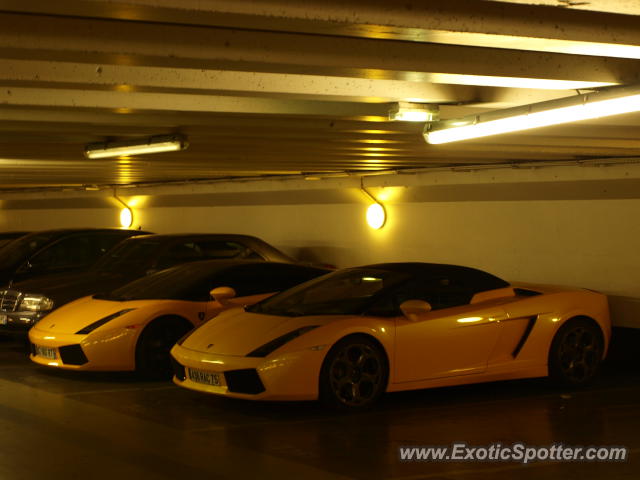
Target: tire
<point>155,342</point>
<point>576,353</point>
<point>354,374</point>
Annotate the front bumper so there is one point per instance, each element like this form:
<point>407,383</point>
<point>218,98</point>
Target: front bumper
<point>19,323</point>
<point>289,376</point>
<point>112,350</point>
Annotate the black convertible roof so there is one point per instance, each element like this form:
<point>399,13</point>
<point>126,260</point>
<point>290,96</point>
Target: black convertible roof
<point>477,280</point>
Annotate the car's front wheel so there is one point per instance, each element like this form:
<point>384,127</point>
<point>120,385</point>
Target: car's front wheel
<point>154,344</point>
<point>576,353</point>
<point>354,373</point>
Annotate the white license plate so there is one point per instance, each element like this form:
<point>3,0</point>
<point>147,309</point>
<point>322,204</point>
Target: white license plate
<point>45,352</point>
<point>3,319</point>
<point>205,378</point>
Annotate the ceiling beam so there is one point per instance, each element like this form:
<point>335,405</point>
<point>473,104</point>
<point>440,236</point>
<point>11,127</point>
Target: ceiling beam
<point>128,43</point>
<point>457,22</point>
<point>125,78</point>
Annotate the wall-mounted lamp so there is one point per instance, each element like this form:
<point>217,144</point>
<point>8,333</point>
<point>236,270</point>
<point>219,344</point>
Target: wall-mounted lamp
<point>126,217</point>
<point>376,214</point>
<point>413,112</point>
<point>607,102</point>
<point>155,144</point>
<point>126,214</point>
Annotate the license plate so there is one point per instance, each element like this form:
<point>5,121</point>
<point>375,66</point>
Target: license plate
<point>3,319</point>
<point>45,352</point>
<point>205,378</point>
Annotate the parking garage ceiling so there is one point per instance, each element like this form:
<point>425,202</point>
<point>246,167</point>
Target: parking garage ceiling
<point>298,88</point>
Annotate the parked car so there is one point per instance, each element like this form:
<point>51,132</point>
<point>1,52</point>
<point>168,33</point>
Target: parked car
<point>349,336</point>
<point>56,251</point>
<point>8,237</point>
<point>134,326</point>
<point>27,302</point>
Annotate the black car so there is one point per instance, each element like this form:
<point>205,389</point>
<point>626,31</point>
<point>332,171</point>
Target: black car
<point>8,237</point>
<point>57,251</point>
<point>24,303</point>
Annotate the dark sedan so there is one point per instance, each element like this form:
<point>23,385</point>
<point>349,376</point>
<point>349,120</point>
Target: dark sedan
<point>57,251</point>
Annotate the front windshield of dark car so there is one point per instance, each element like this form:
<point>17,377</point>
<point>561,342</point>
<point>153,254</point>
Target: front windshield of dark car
<point>129,255</point>
<point>346,292</point>
<point>20,249</point>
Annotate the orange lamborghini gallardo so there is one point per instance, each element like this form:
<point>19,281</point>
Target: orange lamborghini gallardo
<point>351,335</point>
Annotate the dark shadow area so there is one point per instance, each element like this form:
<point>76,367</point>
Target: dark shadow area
<point>624,350</point>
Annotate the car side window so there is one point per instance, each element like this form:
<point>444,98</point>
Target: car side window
<point>178,253</point>
<point>440,292</point>
<point>222,249</point>
<point>276,277</point>
<point>249,280</point>
<point>67,254</point>
<point>101,244</point>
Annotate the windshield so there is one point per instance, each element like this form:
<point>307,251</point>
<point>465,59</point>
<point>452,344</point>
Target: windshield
<point>178,283</point>
<point>346,292</point>
<point>20,249</point>
<point>131,255</point>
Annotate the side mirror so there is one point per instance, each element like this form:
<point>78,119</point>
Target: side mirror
<point>412,309</point>
<point>222,294</point>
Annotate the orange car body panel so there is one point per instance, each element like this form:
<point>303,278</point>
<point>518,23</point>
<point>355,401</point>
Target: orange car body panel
<point>111,347</point>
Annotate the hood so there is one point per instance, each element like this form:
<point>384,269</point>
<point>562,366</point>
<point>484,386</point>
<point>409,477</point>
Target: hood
<point>64,288</point>
<point>83,312</point>
<point>236,332</point>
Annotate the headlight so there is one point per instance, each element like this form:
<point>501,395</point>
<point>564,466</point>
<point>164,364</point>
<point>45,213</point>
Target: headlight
<point>36,303</point>
<point>267,348</point>
<point>91,327</point>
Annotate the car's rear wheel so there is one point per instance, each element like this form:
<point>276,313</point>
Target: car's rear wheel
<point>154,344</point>
<point>576,353</point>
<point>354,373</point>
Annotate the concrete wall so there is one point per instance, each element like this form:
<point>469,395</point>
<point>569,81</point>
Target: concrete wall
<point>563,225</point>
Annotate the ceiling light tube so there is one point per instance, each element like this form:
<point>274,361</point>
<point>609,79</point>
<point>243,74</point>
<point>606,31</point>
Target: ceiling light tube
<point>155,144</point>
<point>608,102</point>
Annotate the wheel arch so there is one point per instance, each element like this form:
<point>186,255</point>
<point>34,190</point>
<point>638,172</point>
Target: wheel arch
<point>171,318</point>
<point>578,317</point>
<point>166,317</point>
<point>355,335</point>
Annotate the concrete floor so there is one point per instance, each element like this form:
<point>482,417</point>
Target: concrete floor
<point>62,425</point>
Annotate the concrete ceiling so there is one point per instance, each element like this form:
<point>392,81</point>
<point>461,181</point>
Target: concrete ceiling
<point>284,87</point>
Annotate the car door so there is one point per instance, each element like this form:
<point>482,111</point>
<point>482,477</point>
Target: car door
<point>455,338</point>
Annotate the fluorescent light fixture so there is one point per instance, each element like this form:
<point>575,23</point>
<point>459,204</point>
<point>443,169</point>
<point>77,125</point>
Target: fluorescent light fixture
<point>608,102</point>
<point>413,112</point>
<point>155,144</point>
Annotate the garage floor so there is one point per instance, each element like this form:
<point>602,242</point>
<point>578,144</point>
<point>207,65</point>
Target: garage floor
<point>58,425</point>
